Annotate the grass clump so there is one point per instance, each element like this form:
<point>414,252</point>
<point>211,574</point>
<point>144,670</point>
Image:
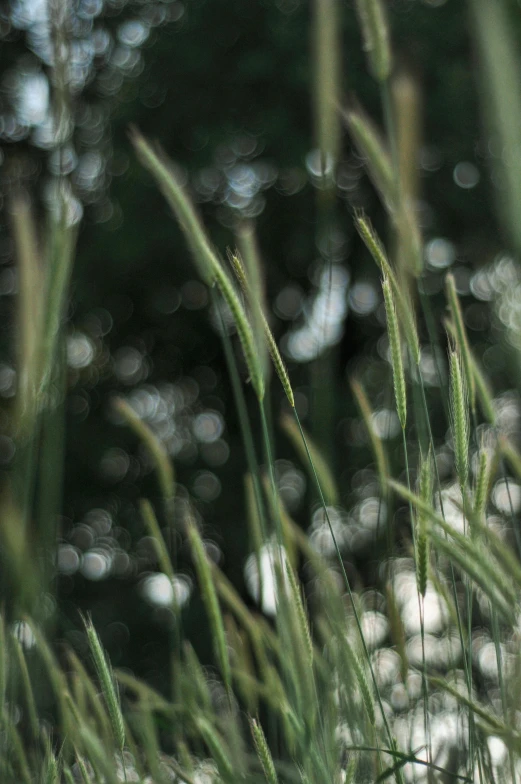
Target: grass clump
<point>343,681</point>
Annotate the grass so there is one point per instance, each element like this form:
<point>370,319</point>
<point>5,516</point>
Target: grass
<point>314,695</point>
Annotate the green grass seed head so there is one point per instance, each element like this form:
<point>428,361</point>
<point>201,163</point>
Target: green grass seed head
<point>244,330</point>
<point>461,339</point>
<point>238,270</point>
<point>208,264</point>
<point>263,752</point>
<point>422,542</point>
<point>403,305</point>
<point>357,667</point>
<point>162,170</point>
<point>278,362</point>
<point>301,616</point>
<point>371,147</point>
<point>108,684</point>
<point>395,345</point>
<point>460,416</point>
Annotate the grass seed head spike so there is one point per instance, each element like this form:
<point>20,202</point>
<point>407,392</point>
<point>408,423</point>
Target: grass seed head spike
<point>357,667</point>
<point>371,147</point>
<point>162,170</point>
<point>208,264</point>
<point>267,335</point>
<point>248,272</point>
<point>404,307</point>
<point>244,329</point>
<point>460,417</point>
<point>263,752</point>
<point>108,684</point>
<point>372,241</point>
<point>278,362</point>
<point>302,618</point>
<point>461,339</point>
<point>467,554</point>
<point>395,344</point>
<point>422,543</point>
<point>249,247</point>
<point>238,269</point>
<point>375,34</point>
<point>210,600</point>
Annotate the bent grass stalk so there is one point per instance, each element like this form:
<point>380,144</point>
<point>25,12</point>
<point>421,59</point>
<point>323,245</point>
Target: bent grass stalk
<point>401,407</point>
<point>156,449</point>
<point>325,475</point>
<point>209,595</point>
<point>208,264</point>
<point>371,147</point>
<point>347,584</point>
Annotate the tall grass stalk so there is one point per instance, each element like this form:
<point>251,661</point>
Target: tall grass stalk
<point>326,87</point>
<point>346,583</point>
<point>209,595</point>
<point>155,448</point>
<point>375,34</point>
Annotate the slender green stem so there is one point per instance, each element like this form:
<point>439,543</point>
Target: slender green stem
<point>348,586</point>
<point>466,668</point>
<point>420,609</point>
<point>242,412</point>
<point>434,346</point>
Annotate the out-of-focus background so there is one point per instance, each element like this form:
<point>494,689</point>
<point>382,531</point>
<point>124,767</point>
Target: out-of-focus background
<point>227,89</point>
